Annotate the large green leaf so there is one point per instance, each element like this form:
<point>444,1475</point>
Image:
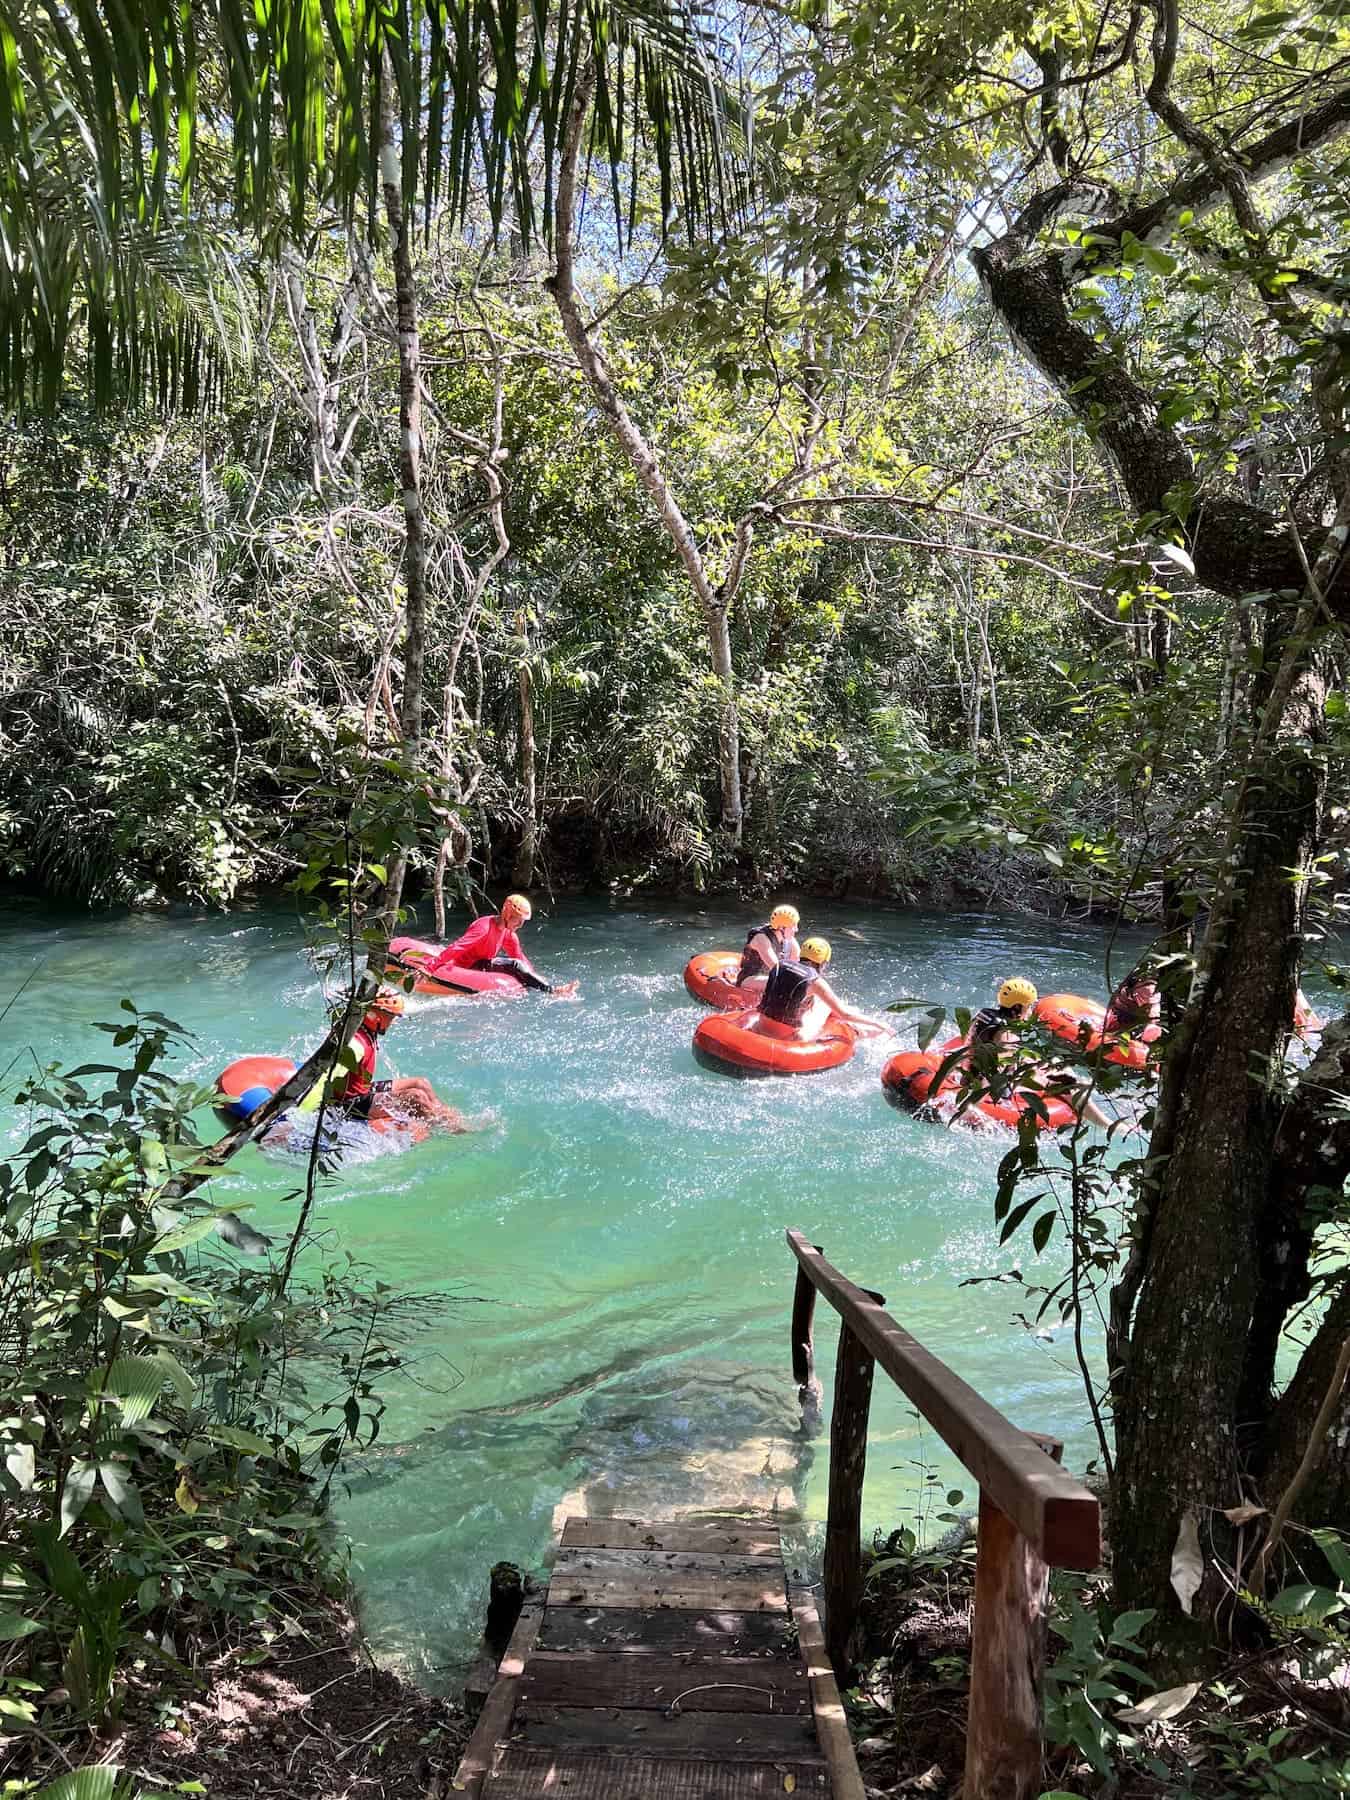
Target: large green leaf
<point>191,1231</point>
<point>99,1781</point>
<point>13,1626</point>
<point>75,1494</point>
<point>136,1382</point>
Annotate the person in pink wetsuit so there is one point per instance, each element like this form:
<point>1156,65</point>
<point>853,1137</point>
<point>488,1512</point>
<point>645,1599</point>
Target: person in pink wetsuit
<point>491,943</point>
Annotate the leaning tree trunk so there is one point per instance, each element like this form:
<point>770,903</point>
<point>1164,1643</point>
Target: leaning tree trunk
<point>410,469</point>
<point>714,601</point>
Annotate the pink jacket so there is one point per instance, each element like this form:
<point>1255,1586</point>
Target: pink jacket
<point>486,937</point>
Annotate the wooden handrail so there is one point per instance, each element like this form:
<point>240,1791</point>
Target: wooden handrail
<point>1055,1513</point>
<point>1033,1516</point>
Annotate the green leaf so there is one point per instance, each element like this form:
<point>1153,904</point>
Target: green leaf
<point>136,1382</point>
<point>75,1494</point>
<point>1299,1769</point>
<point>1015,1218</point>
<point>240,1440</point>
<point>1128,1624</point>
<point>1337,1552</point>
<point>99,1781</point>
<point>13,1627</point>
<point>183,1384</point>
<point>191,1231</point>
<point>1040,1231</point>
<point>121,1490</point>
<point>1305,1602</point>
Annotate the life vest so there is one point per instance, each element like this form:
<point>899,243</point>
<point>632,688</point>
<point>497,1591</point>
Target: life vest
<point>989,1021</point>
<point>789,991</point>
<point>361,1079</point>
<point>752,963</point>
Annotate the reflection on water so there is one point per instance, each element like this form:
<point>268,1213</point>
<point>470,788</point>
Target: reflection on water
<point>611,1247</point>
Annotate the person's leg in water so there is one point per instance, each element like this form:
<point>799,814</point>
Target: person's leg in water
<point>1078,1096</point>
<point>509,965</point>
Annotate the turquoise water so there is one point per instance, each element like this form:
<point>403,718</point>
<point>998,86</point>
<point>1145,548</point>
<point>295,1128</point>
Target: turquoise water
<point>613,1238</point>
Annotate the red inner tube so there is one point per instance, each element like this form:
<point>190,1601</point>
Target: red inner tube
<point>908,1078</point>
<point>711,978</point>
<point>271,1071</point>
<point>246,1072</point>
<point>1079,1022</point>
<point>453,981</point>
<point>745,1042</point>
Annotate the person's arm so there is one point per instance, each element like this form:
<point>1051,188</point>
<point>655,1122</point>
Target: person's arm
<point>763,946</point>
<point>823,989</point>
<point>510,946</point>
<point>467,949</point>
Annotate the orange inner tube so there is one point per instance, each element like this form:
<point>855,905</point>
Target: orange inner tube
<point>1079,1022</point>
<point>711,978</point>
<point>908,1078</point>
<point>745,1042</point>
<point>253,1071</point>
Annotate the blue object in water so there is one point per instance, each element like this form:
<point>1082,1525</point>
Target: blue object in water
<point>250,1100</point>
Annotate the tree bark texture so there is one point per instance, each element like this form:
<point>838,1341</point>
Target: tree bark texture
<point>1189,1374</point>
<point>715,602</point>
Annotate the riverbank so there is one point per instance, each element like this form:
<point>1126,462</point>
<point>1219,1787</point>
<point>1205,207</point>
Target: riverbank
<point>303,1713</point>
<point>1274,1719</point>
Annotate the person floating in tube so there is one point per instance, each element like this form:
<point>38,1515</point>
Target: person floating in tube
<point>491,943</point>
<point>1135,1004</point>
<point>766,946</point>
<point>796,994</point>
<point>994,1048</point>
<point>355,1091</point>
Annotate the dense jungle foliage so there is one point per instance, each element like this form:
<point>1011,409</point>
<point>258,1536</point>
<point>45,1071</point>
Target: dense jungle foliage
<point>204,618</point>
<point>860,446</point>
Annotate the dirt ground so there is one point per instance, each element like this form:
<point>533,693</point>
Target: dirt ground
<point>315,1720</point>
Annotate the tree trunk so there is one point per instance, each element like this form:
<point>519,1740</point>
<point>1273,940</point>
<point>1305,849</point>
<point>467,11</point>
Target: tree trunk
<point>522,873</point>
<point>715,602</point>
<point>410,468</point>
<point>1181,1396</point>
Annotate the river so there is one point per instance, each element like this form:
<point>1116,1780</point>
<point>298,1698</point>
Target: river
<point>612,1241</point>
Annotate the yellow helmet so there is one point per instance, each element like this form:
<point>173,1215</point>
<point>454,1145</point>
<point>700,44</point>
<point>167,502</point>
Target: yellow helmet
<point>520,903</point>
<point>785,915</point>
<point>816,950</point>
<point>390,1001</point>
<point>1018,992</point>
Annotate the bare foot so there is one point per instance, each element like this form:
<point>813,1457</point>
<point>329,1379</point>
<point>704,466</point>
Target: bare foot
<point>565,990</point>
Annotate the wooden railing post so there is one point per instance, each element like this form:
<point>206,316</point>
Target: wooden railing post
<point>1033,1516</point>
<point>1007,1657</point>
<point>843,1529</point>
<point>804,1348</point>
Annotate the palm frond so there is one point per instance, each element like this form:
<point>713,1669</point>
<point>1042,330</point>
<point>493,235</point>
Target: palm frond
<point>161,301</point>
<point>119,103</point>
